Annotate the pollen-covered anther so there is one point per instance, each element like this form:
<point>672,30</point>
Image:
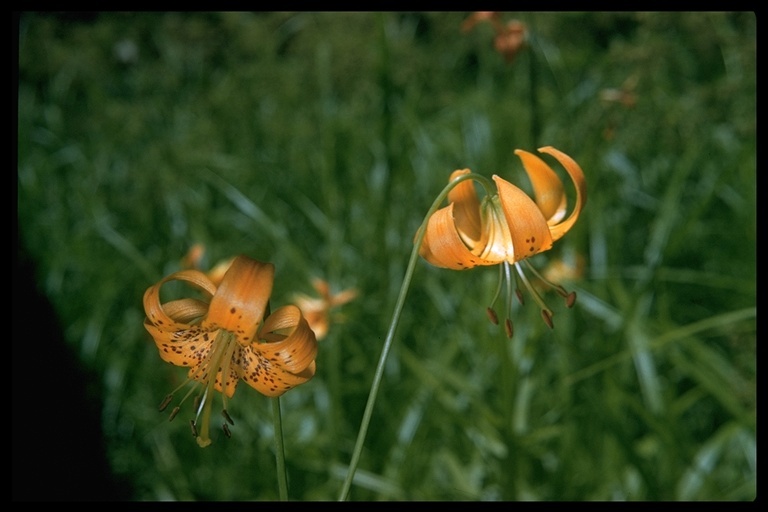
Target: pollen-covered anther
<point>492,316</point>
<point>227,417</point>
<point>509,328</point>
<point>166,401</point>
<point>547,316</point>
<point>193,427</point>
<point>174,412</point>
<point>226,430</point>
<point>570,300</point>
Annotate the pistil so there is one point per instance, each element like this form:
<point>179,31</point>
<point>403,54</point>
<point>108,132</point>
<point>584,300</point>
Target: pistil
<point>224,344</point>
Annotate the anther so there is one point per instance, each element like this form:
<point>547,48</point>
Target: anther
<point>547,316</point>
<point>570,299</point>
<point>196,403</point>
<point>193,428</point>
<point>520,297</point>
<point>508,328</point>
<point>174,412</point>
<point>227,417</point>
<point>227,433</point>
<point>492,316</point>
<point>165,402</point>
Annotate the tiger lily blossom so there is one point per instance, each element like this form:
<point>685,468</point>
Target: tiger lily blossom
<point>507,227</point>
<point>229,335</point>
<point>318,310</point>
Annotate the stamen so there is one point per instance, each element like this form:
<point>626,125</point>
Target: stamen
<point>227,432</point>
<point>546,313</point>
<point>222,353</point>
<point>547,316</point>
<point>199,403</point>
<point>492,316</point>
<point>508,322</point>
<point>169,398</point>
<point>570,298</point>
<point>193,427</point>
<point>530,288</point>
<point>227,417</point>
<point>165,402</point>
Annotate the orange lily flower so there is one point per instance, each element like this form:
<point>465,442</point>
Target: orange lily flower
<point>509,226</point>
<point>317,310</point>
<point>510,39</point>
<point>479,17</point>
<point>230,336</point>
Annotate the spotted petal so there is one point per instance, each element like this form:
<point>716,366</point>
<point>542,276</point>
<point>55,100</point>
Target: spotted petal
<point>182,347</point>
<point>525,222</point>
<point>156,315</point>
<point>287,357</point>
<point>241,299</point>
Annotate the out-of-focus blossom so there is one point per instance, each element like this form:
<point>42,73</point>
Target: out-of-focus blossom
<point>318,310</point>
<point>510,40</point>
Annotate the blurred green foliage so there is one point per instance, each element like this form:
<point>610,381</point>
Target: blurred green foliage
<point>318,141</point>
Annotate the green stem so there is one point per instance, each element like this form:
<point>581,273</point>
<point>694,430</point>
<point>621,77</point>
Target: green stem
<point>282,479</point>
<point>377,376</point>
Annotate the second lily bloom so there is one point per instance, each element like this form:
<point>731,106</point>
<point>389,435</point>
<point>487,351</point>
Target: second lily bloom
<point>506,227</point>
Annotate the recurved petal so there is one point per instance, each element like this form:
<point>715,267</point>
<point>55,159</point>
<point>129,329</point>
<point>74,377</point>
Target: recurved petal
<point>442,246</point>
<point>157,315</point>
<point>187,347</point>
<point>267,376</point>
<point>241,299</point>
<point>295,345</point>
<point>527,225</point>
<point>182,312</point>
<point>579,181</point>
<point>286,360</point>
<point>466,213</point>
<point>547,186</point>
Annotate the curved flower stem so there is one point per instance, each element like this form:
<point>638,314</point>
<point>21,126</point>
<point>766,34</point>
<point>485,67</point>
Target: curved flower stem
<point>377,376</point>
<point>282,480</point>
